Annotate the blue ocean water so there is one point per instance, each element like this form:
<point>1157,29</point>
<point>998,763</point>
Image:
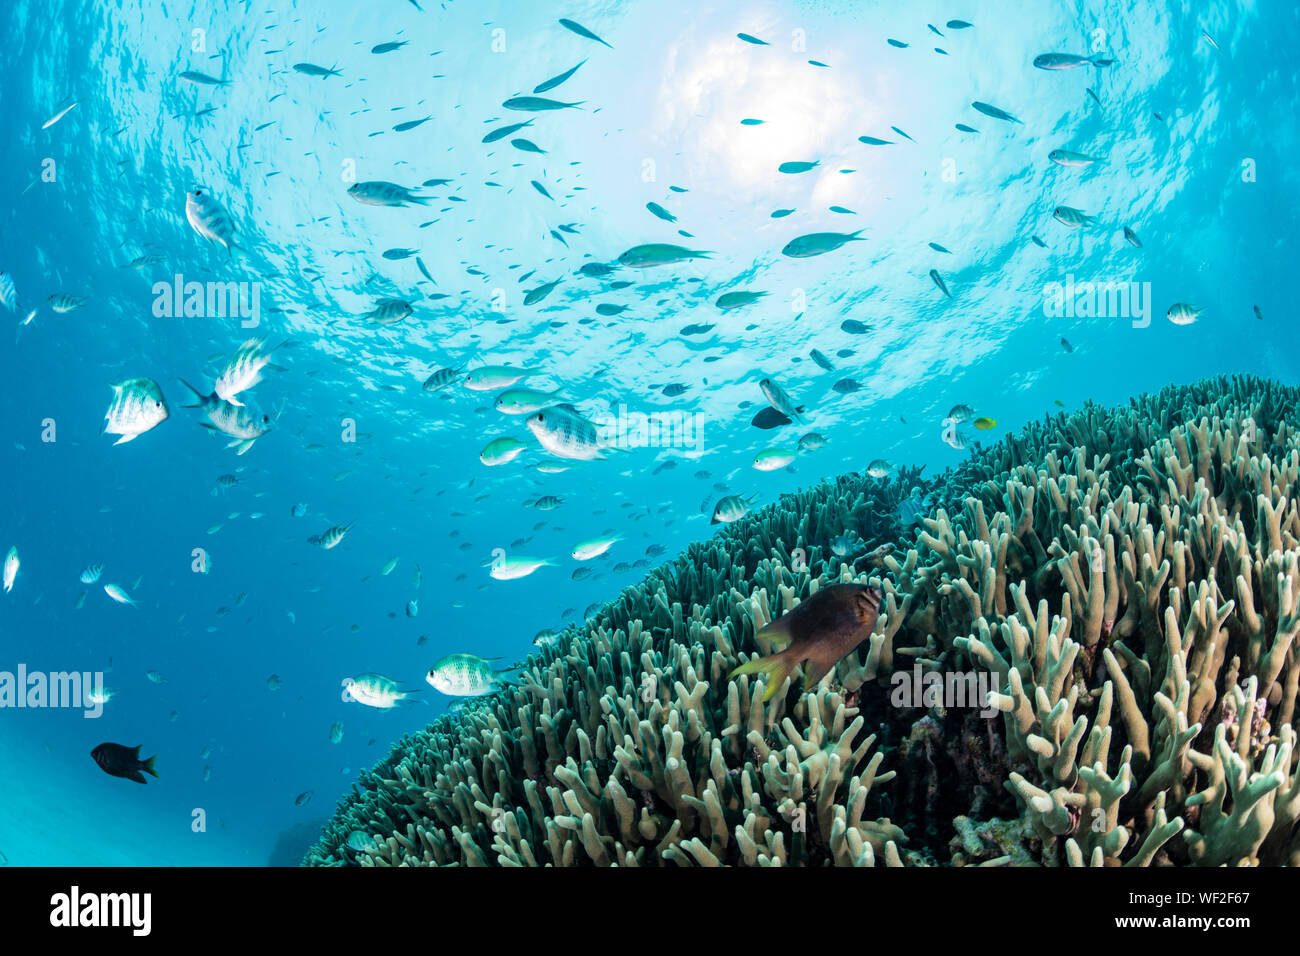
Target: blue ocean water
<point>1191,127</point>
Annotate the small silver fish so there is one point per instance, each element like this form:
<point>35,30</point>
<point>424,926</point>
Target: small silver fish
<point>464,675</point>
<point>1074,218</point>
<point>565,433</point>
<point>441,379</point>
<point>731,508</point>
<point>209,218</point>
<point>243,371</point>
<point>380,193</point>
<point>776,397</point>
<point>138,405</point>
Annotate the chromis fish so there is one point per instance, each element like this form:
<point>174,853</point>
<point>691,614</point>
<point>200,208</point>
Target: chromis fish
<point>119,761</point>
<point>537,104</point>
<point>774,459</point>
<point>376,690</point>
<point>594,547</point>
<point>524,401</point>
<point>534,296</point>
<point>794,168</point>
<point>818,244</point>
<point>566,433</point>
<point>660,212</point>
<point>1067,61</point>
<point>489,378</point>
<point>465,675</point>
<point>511,569</point>
<point>735,300</point>
<point>1073,160</point>
<point>311,69</point>
<point>822,630</point>
<point>501,450</point>
<point>1180,313</point>
<point>659,254</point>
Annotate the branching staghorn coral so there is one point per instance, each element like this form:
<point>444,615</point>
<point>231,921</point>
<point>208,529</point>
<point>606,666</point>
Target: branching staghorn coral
<point>1129,576</point>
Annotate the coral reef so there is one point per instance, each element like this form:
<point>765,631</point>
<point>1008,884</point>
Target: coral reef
<point>1128,577</point>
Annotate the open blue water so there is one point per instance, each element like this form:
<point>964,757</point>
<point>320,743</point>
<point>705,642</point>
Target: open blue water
<point>1198,138</point>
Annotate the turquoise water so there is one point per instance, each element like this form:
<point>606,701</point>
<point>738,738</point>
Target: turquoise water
<point>1192,137</point>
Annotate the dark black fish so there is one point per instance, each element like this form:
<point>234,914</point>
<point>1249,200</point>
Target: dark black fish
<point>854,327</point>
<point>769,418</point>
<point>1065,344</point>
<point>119,761</point>
<point>822,630</point>
<point>846,386</point>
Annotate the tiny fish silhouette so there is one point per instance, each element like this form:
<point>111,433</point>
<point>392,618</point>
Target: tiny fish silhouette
<point>822,631</point>
<point>120,761</point>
